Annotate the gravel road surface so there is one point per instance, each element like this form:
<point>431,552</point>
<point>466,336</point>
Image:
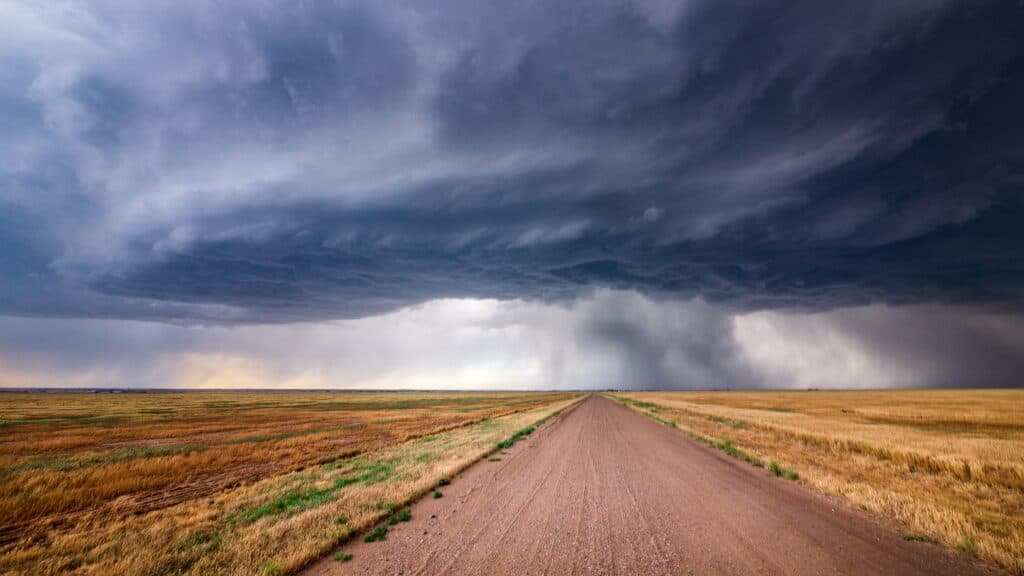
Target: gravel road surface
<point>604,490</point>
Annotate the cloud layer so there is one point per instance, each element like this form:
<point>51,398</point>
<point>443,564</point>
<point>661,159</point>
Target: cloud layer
<point>606,340</point>
<point>569,193</point>
<point>250,162</point>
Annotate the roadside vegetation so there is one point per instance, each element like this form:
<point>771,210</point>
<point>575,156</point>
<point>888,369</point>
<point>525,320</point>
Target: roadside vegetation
<point>948,465</point>
<point>270,481</point>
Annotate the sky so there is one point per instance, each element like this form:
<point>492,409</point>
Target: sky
<point>465,194</point>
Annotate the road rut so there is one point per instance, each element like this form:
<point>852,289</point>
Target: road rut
<point>604,490</point>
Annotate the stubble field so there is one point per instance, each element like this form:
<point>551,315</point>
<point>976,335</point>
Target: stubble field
<point>227,483</point>
<point>948,465</point>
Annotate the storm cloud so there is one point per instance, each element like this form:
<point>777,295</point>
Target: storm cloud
<point>607,339</point>
<point>211,165</point>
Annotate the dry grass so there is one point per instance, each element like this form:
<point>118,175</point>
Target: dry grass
<point>948,465</point>
<point>232,483</point>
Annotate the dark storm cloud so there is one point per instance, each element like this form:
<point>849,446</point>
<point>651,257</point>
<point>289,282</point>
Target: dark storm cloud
<point>247,162</point>
<point>607,339</point>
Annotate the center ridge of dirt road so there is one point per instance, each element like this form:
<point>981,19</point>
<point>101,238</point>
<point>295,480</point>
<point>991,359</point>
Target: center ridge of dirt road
<point>603,490</point>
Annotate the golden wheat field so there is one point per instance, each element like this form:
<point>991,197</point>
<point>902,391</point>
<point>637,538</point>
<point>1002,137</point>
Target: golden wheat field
<point>947,465</point>
<point>226,483</point>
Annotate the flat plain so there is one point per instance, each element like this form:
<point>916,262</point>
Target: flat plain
<point>226,483</point>
<point>947,465</point>
<point>893,482</point>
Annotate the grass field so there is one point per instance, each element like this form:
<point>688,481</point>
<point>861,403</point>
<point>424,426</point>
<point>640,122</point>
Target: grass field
<point>947,465</point>
<point>227,483</point>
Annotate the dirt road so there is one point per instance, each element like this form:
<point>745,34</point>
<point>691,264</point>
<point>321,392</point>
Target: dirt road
<point>603,490</point>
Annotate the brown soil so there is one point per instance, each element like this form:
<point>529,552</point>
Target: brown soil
<point>603,490</point>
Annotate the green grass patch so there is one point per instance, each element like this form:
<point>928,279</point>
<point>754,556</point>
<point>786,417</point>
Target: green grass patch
<point>919,538</point>
<point>519,435</point>
<point>368,475</point>
<point>379,534</point>
<point>291,501</point>
<point>444,482</point>
<point>727,447</point>
<point>341,520</point>
<point>777,470</point>
<point>403,515</point>
<point>342,556</point>
<point>438,494</point>
<point>271,569</point>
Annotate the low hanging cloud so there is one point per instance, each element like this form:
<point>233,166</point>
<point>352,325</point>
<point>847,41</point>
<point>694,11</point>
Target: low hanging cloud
<point>609,339</point>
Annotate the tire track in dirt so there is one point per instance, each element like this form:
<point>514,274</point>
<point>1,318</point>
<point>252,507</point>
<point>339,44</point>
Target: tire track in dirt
<point>603,490</point>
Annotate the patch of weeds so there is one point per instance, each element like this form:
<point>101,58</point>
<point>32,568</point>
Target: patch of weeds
<point>271,569</point>
<point>403,515</point>
<point>379,534</point>
<point>292,500</point>
<point>342,556</point>
<point>372,474</point>
<point>968,546</point>
<point>444,482</point>
<point>919,538</point>
<point>494,459</point>
<point>438,494</point>
<point>519,435</point>
<point>729,449</point>
<point>425,457</point>
<point>777,470</point>
<point>343,482</point>
<point>341,520</point>
<point>645,405</point>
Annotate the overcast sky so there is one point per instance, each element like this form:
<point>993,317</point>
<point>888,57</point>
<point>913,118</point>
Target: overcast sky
<point>475,194</point>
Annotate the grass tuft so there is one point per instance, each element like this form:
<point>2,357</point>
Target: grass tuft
<point>403,515</point>
<point>342,556</point>
<point>968,546</point>
<point>438,494</point>
<point>379,534</point>
<point>271,569</point>
<point>291,501</point>
<point>519,435</point>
